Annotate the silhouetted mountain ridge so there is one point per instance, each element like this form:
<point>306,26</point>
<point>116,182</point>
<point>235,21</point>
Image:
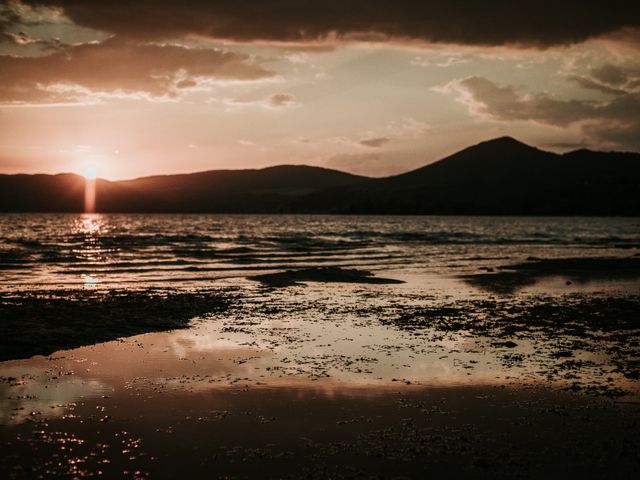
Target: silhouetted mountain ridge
<point>498,177</point>
<point>502,177</point>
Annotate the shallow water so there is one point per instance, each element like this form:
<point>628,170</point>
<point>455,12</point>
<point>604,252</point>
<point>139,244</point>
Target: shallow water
<point>51,251</point>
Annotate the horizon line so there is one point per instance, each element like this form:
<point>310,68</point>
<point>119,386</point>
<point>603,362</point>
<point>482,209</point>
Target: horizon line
<point>321,167</point>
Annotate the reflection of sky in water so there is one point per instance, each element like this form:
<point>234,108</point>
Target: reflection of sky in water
<point>206,358</point>
<point>34,392</point>
<point>308,337</point>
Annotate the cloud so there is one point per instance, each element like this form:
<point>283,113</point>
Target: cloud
<point>187,83</point>
<point>16,16</point>
<point>23,39</point>
<point>531,23</point>
<point>591,84</point>
<point>277,101</point>
<point>19,38</point>
<point>375,142</point>
<point>118,68</point>
<point>615,122</point>
<point>397,133</point>
<point>440,61</point>
<point>490,100</point>
<point>610,79</point>
<point>408,128</point>
<point>610,74</point>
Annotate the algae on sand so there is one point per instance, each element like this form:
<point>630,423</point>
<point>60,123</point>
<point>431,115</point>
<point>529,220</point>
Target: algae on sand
<point>40,323</point>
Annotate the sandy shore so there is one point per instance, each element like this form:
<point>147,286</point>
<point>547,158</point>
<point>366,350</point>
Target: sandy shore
<point>327,374</point>
<point>305,432</point>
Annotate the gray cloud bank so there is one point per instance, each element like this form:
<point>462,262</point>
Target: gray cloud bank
<point>533,23</point>
<point>614,122</point>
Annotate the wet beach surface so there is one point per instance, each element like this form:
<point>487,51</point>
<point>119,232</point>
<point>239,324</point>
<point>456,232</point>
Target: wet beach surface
<point>316,432</point>
<point>397,359</point>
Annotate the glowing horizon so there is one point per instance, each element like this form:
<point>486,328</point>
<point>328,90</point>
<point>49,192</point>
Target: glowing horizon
<point>90,172</point>
<point>142,96</point>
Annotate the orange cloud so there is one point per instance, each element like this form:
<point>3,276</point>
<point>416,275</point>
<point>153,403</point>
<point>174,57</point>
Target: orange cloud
<point>119,68</point>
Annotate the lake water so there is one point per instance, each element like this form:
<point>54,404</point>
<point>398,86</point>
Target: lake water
<point>52,251</point>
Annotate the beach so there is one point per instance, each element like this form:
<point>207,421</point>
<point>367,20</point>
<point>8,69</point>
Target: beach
<point>319,347</point>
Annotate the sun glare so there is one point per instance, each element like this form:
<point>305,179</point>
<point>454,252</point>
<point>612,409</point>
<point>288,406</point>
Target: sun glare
<point>90,172</point>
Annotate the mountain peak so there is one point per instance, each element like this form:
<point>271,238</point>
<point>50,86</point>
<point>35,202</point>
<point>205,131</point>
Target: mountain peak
<point>503,142</point>
<point>501,147</point>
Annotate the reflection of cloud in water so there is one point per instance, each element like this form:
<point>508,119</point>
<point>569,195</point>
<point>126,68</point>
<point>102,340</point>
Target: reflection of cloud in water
<point>39,392</point>
<point>273,350</point>
<point>202,340</point>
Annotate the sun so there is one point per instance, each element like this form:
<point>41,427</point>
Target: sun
<point>90,172</point>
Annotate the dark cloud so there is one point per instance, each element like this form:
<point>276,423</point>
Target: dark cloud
<point>505,103</point>
<point>611,79</point>
<point>615,122</point>
<point>277,101</point>
<point>19,38</point>
<point>375,142</point>
<point>22,39</point>
<point>619,135</point>
<point>471,22</point>
<point>16,16</point>
<point>591,84</point>
<point>611,74</point>
<point>282,100</point>
<point>117,67</point>
<point>186,83</point>
<point>8,16</point>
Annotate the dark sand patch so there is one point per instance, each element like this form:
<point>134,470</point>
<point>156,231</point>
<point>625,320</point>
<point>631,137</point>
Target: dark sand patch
<point>453,432</point>
<point>40,323</point>
<point>510,278</point>
<point>323,275</point>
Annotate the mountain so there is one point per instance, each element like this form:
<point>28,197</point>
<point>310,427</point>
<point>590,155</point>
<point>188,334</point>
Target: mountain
<point>498,177</point>
<point>266,190</point>
<point>42,193</point>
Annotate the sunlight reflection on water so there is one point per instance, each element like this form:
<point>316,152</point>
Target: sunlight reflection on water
<point>190,250</point>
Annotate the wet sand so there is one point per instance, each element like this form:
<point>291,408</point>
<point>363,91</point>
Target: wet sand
<point>306,432</point>
<point>42,322</point>
<point>321,377</point>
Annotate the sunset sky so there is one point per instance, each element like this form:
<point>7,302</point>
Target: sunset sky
<point>370,87</point>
